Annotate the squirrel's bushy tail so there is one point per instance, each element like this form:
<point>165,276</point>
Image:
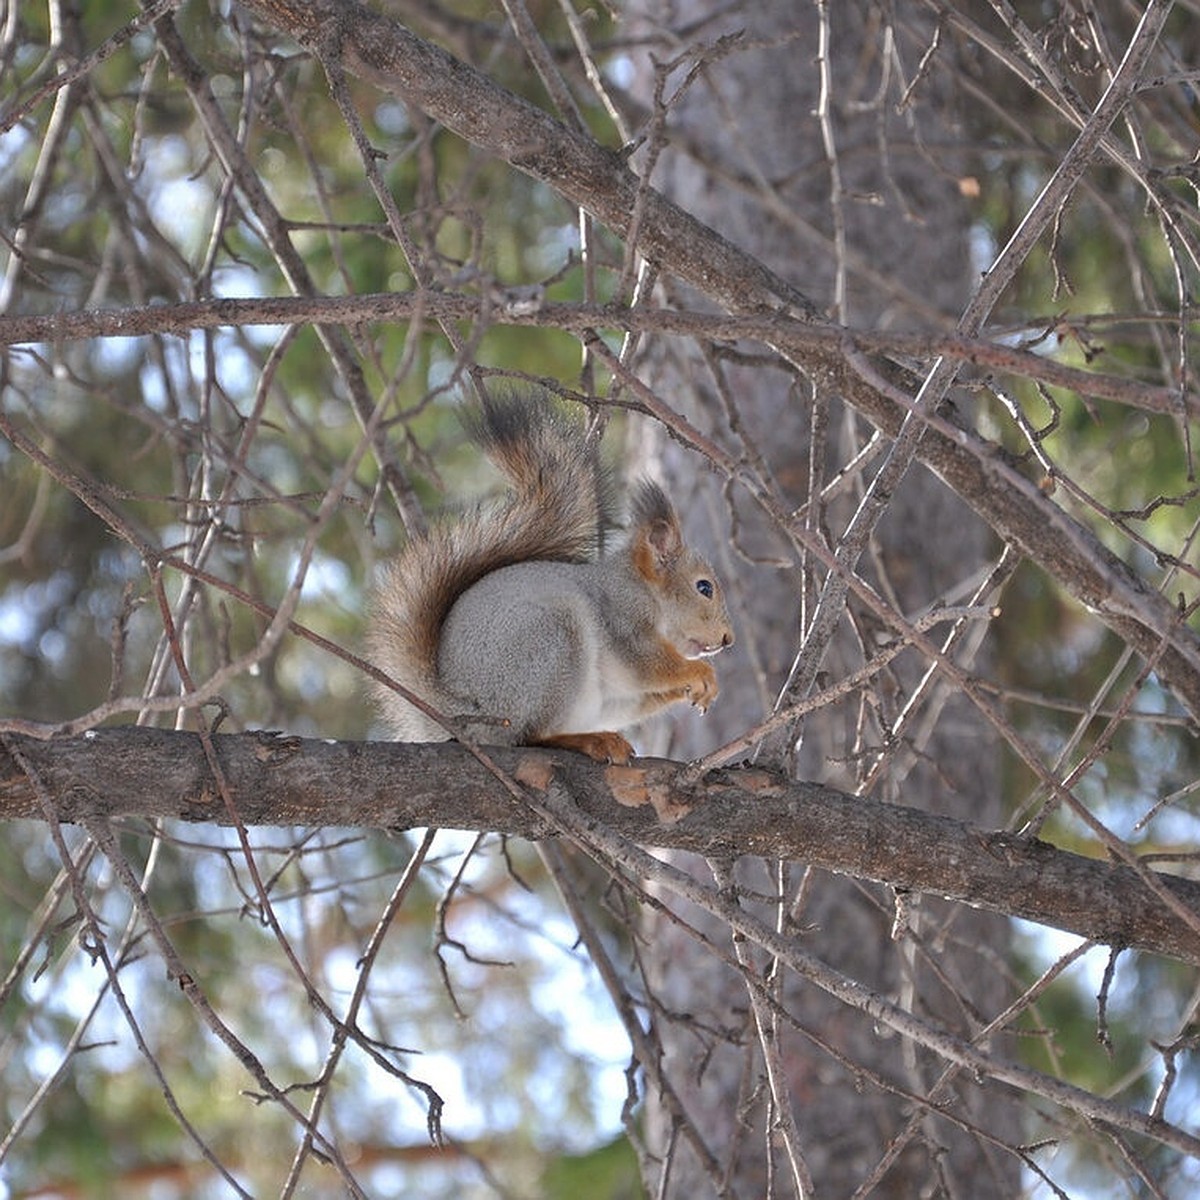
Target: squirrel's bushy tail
<point>558,510</point>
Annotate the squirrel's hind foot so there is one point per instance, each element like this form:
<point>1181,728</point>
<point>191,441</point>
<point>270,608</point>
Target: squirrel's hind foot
<point>603,747</point>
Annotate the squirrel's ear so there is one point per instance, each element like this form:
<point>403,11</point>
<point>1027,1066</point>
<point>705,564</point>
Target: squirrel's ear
<point>665,538</point>
<point>656,546</point>
<point>656,539</point>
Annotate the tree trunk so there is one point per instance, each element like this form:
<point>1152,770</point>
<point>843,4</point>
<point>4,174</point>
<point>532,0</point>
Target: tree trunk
<point>750,119</point>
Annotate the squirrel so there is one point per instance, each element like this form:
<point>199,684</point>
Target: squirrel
<point>520,626</point>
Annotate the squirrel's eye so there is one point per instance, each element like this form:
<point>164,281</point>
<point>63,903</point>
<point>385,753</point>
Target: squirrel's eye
<point>705,588</point>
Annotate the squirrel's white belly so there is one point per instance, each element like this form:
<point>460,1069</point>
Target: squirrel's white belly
<point>608,696</point>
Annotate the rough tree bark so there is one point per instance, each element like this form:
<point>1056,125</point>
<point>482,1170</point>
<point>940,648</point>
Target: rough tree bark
<point>270,779</point>
<point>753,115</point>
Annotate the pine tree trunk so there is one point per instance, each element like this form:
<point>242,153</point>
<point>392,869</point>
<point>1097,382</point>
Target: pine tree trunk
<point>749,122</point>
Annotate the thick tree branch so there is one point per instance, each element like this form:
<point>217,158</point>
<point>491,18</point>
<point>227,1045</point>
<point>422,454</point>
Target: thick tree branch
<point>384,52</point>
<point>132,772</point>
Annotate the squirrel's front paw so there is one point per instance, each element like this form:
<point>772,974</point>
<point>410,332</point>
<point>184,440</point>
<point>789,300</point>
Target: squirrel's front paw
<point>702,690</point>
